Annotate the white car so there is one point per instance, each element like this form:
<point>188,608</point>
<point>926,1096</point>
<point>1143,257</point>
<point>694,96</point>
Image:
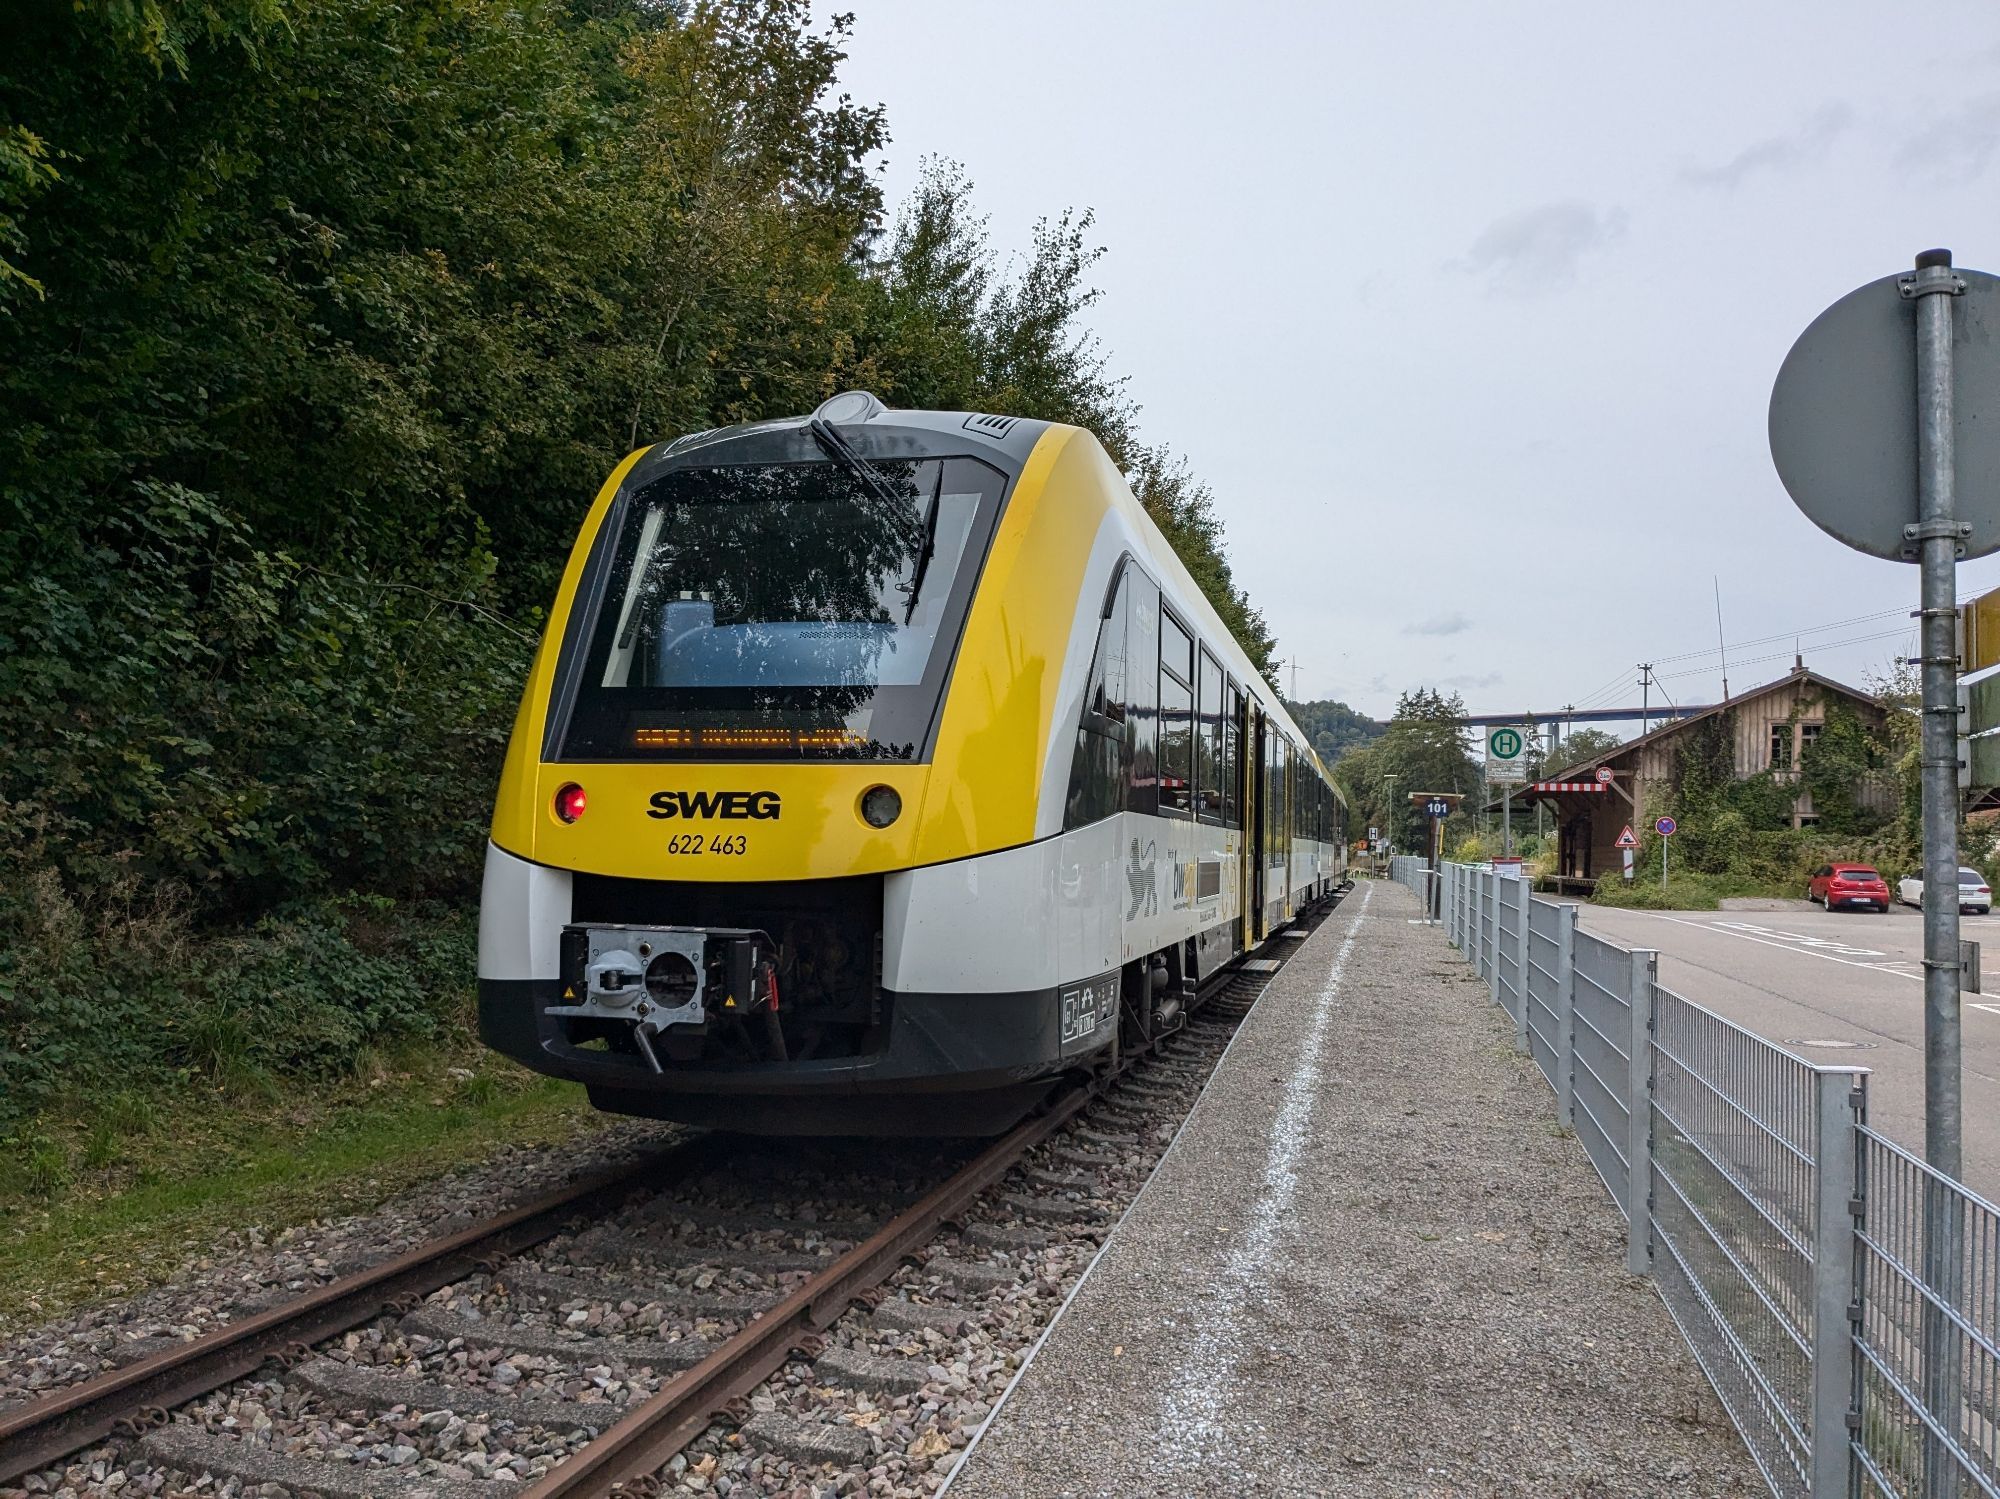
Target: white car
<point>1974,894</point>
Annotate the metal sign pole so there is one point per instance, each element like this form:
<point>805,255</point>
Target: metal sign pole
<point>1935,540</point>
<point>1507,819</point>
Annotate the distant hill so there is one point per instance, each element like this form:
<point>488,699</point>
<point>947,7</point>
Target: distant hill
<point>1334,728</point>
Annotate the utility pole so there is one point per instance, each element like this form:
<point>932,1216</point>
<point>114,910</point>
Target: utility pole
<point>1645,686</point>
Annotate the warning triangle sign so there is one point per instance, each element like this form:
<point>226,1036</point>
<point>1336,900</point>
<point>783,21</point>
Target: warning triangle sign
<point>1626,840</point>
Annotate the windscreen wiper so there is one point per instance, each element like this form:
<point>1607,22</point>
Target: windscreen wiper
<point>871,478</point>
<point>916,584</point>
<point>838,449</point>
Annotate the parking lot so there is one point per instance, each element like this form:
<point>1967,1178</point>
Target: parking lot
<point>1836,988</point>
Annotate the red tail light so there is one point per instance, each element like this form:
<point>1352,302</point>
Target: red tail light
<point>569,803</point>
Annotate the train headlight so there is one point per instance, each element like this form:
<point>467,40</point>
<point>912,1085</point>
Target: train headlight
<point>569,802</point>
<point>880,806</point>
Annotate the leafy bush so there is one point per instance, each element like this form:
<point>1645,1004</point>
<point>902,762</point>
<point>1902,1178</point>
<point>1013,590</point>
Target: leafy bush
<point>319,326</point>
<point>1682,892</point>
<point>127,993</point>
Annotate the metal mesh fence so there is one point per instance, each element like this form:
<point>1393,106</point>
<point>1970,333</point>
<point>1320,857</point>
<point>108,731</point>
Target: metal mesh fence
<point>1733,1221</point>
<point>1842,1298</point>
<point>1544,977</point>
<point>1929,1362</point>
<point>1408,871</point>
<point>1509,911</point>
<point>1601,1022</point>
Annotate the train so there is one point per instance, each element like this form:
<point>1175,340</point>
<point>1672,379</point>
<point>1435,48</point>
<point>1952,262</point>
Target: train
<point>877,771</point>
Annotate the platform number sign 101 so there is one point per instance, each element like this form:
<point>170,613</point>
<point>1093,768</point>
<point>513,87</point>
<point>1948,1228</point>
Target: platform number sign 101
<point>1437,807</point>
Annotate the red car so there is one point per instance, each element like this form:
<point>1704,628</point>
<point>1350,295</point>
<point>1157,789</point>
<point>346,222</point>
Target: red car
<point>1850,885</point>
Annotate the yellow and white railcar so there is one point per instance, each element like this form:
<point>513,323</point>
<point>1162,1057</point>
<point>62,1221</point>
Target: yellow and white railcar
<point>875,770</point>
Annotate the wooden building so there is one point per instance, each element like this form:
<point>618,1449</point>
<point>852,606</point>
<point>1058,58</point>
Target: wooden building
<point>1770,728</point>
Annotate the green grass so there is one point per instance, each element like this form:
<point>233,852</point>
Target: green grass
<point>114,1201</point>
<point>1684,892</point>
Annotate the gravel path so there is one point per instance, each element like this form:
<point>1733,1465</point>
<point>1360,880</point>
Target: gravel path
<point>1371,1264</point>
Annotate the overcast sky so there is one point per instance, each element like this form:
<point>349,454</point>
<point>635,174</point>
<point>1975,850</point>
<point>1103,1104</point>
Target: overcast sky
<point>1469,313</point>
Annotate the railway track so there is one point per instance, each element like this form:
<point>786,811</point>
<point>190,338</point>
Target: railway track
<point>728,1316</point>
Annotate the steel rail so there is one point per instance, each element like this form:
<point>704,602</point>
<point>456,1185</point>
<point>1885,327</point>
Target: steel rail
<point>44,1431</point>
<point>630,1452</point>
<point>626,1457</point>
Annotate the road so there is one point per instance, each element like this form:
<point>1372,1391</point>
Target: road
<point>1844,988</point>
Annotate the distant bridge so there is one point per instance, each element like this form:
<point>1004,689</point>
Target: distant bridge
<point>1663,712</point>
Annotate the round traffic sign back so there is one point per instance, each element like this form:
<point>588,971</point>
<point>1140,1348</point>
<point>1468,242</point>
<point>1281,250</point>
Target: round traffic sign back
<point>1666,827</point>
<point>1843,420</point>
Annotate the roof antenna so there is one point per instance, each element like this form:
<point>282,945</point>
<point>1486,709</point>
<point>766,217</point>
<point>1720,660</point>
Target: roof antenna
<point>1720,645</point>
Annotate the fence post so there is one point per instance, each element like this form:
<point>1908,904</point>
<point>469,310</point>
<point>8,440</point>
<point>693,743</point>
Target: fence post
<point>1521,963</point>
<point>1639,1115</point>
<point>1839,1098</point>
<point>1565,1007</point>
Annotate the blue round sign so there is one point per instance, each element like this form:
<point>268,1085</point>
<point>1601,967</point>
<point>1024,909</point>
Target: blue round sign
<point>1666,827</point>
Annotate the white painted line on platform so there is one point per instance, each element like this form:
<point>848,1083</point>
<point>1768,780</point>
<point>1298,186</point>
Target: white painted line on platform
<point>1159,1168</point>
<point>1191,1395</point>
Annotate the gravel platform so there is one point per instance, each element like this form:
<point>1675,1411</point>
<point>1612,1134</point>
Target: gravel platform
<point>1370,1264</point>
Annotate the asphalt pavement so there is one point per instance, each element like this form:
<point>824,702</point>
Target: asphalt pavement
<point>1837,988</point>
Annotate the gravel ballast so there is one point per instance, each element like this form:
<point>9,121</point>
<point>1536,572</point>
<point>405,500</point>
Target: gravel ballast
<point>1370,1264</point>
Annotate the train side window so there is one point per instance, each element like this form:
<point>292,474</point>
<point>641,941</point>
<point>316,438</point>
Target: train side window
<point>1176,648</point>
<point>1176,717</point>
<point>1232,754</point>
<point>1101,765</point>
<point>1142,685</point>
<point>1208,739</point>
<point>1176,746</point>
<point>1107,672</point>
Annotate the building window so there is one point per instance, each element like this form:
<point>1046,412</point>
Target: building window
<point>1808,737</point>
<point>1781,746</point>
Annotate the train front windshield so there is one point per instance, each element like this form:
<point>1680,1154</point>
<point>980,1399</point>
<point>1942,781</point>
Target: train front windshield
<point>780,611</point>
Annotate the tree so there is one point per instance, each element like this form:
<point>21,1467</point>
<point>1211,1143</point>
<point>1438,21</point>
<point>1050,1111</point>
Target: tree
<point>1423,748</point>
<point>955,334</point>
<point>320,324</point>
<point>1580,747</point>
<point>1332,728</point>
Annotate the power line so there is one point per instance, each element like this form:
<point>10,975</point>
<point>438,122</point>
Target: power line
<point>1837,624</point>
<point>1824,645</point>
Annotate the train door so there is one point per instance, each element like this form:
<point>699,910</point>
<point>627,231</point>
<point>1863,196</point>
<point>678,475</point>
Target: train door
<point>1240,777</point>
<point>1257,787</point>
